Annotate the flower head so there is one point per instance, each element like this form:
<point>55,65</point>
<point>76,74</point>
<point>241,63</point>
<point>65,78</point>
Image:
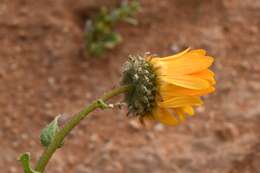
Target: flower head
<point>167,89</point>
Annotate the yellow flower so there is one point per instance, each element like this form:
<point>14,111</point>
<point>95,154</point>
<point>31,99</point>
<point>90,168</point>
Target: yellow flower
<point>181,80</point>
<point>167,89</point>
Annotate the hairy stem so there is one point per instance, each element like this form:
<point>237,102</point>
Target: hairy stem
<point>59,137</point>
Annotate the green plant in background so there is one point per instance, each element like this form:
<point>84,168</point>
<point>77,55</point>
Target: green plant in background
<point>100,33</point>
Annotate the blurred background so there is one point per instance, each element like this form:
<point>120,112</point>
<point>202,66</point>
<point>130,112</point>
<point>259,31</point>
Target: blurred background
<point>44,71</point>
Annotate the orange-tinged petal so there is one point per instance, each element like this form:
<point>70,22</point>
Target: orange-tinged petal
<point>181,101</point>
<point>172,56</point>
<point>187,81</point>
<point>164,116</point>
<point>180,114</point>
<point>188,110</point>
<point>168,91</point>
<point>177,55</point>
<point>188,64</point>
<point>199,51</point>
<point>206,74</point>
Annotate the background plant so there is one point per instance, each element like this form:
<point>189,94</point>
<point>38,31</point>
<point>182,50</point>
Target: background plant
<point>100,33</point>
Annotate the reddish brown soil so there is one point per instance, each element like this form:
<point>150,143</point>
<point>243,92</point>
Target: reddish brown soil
<point>43,73</point>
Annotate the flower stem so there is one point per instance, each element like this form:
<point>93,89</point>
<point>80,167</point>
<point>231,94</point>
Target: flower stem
<point>59,137</point>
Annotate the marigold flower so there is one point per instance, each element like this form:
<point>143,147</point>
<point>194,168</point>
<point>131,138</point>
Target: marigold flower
<point>166,89</point>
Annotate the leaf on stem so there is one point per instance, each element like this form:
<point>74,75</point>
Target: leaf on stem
<point>48,133</point>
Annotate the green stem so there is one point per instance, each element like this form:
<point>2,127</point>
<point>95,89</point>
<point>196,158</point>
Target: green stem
<point>59,137</point>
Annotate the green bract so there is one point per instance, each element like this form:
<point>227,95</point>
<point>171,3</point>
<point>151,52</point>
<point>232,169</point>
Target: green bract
<point>48,133</point>
<point>139,73</point>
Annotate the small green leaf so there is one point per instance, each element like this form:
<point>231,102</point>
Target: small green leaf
<point>49,132</point>
<point>25,160</point>
<point>97,48</point>
<point>112,40</point>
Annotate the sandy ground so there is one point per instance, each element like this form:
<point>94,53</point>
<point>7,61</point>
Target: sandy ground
<point>43,73</point>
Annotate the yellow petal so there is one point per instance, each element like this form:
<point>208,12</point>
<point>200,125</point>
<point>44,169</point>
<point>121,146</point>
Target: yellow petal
<point>188,64</point>
<point>172,56</point>
<point>180,114</point>
<point>182,111</point>
<point>199,51</point>
<point>187,81</point>
<point>181,102</point>
<point>164,116</point>
<point>188,110</point>
<point>207,75</point>
<point>168,91</point>
<point>177,55</point>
